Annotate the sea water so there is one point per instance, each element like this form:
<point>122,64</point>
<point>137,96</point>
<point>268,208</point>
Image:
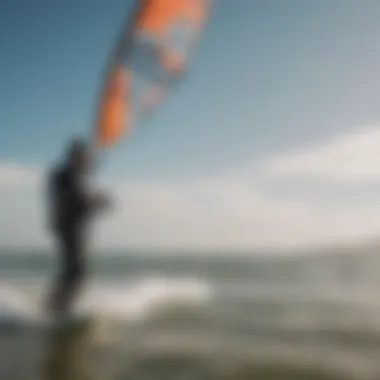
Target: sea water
<point>211,316</point>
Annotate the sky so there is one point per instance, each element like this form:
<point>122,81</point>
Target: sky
<point>271,142</point>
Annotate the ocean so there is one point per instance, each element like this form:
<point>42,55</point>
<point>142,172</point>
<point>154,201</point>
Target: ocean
<point>206,317</point>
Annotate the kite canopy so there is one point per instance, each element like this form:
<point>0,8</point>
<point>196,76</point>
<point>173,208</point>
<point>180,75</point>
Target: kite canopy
<point>153,53</point>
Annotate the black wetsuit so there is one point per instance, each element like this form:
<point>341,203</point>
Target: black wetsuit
<point>70,207</point>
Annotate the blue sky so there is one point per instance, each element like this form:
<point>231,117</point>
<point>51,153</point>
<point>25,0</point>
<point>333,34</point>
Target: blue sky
<point>273,82</point>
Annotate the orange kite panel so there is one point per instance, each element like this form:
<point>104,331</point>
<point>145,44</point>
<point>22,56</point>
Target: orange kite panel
<point>160,15</point>
<point>115,113</point>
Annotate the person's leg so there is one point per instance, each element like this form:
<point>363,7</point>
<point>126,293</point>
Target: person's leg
<point>72,271</point>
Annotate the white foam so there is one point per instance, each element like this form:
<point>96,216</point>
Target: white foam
<point>13,306</point>
<point>136,301</point>
<point>131,301</point>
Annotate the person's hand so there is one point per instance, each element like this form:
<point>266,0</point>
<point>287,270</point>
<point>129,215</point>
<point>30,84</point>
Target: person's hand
<point>103,201</point>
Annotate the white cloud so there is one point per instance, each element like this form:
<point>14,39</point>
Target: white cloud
<point>350,157</point>
<point>16,175</point>
<point>20,204</point>
<point>224,213</point>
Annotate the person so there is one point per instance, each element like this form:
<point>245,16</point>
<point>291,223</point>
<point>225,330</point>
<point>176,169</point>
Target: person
<point>72,207</point>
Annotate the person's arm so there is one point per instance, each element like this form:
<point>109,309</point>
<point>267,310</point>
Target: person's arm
<point>100,201</point>
<point>90,202</point>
